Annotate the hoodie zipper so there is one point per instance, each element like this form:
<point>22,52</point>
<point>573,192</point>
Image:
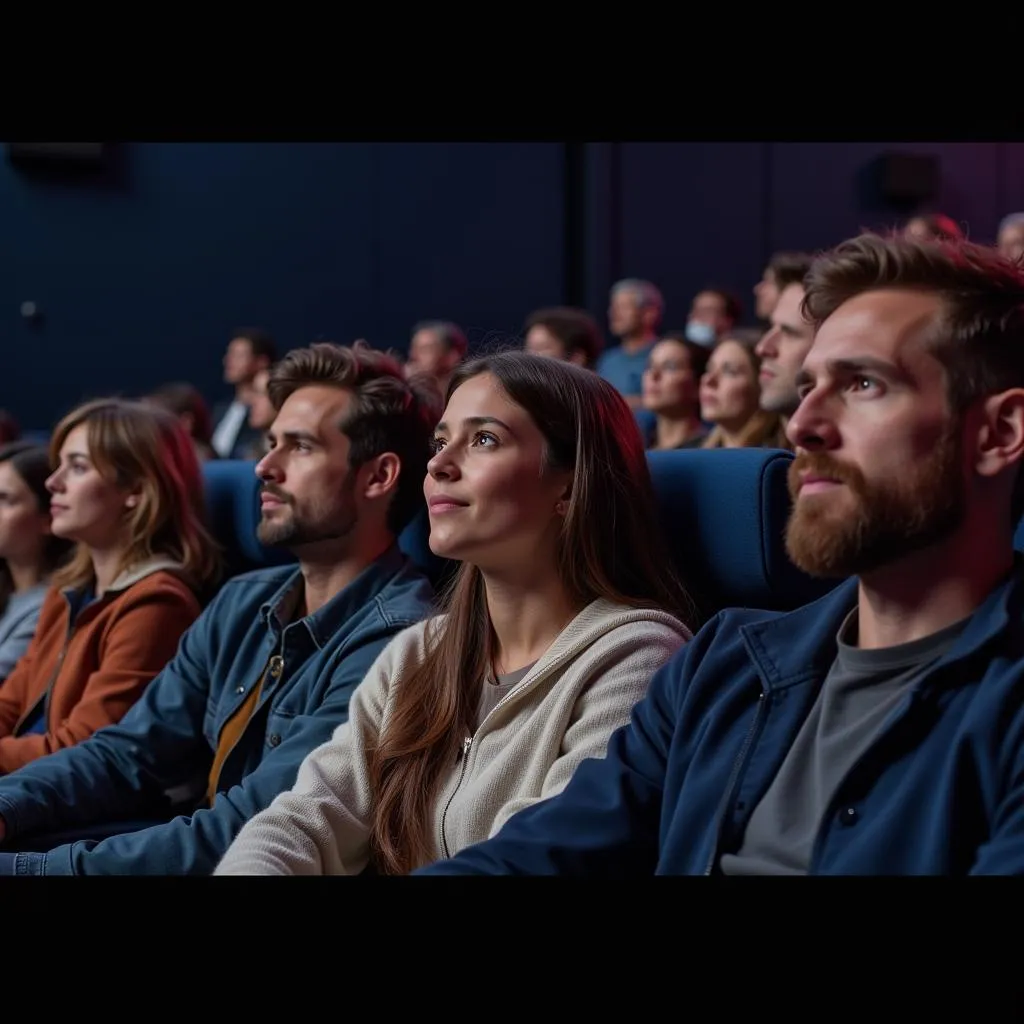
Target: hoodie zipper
<point>524,686</point>
<point>466,744</point>
<point>762,701</point>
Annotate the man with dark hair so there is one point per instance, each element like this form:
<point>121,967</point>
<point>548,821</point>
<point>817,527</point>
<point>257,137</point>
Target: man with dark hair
<point>784,268</point>
<point>636,309</point>
<point>565,333</point>
<point>436,348</point>
<point>782,350</point>
<point>249,351</point>
<point>266,672</point>
<point>879,730</point>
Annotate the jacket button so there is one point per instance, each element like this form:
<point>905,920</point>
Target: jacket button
<point>239,689</point>
<point>848,815</point>
<point>273,740</point>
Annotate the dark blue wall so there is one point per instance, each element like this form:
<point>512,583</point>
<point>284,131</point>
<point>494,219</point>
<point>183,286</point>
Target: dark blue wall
<point>142,276</point>
<point>689,215</point>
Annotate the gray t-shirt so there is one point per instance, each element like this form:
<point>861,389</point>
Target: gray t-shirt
<point>495,689</point>
<point>858,695</point>
<point>18,626</point>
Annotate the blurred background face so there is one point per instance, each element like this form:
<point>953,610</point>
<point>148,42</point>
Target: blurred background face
<point>782,350</point>
<point>669,384</point>
<point>1011,241</point>
<point>766,295</point>
<point>24,525</point>
<point>709,308</point>
<point>625,316</point>
<point>239,362</point>
<point>918,230</point>
<point>84,506</point>
<point>729,391</point>
<point>261,412</point>
<point>428,354</point>
<point>541,342</point>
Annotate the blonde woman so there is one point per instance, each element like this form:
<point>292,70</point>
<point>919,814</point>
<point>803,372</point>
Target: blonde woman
<point>127,490</point>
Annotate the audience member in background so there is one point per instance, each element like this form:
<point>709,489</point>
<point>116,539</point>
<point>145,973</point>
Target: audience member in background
<point>564,333</point>
<point>185,402</point>
<point>635,312</point>
<point>879,730</point>
<point>563,607</point>
<point>730,397</point>
<point>9,428</point>
<point>712,313</point>
<point>261,414</point>
<point>1011,236</point>
<point>436,348</point>
<point>784,268</point>
<point>266,673</point>
<point>782,350</point>
<point>932,227</point>
<point>128,491</point>
<point>248,352</point>
<point>29,551</point>
<point>670,385</point>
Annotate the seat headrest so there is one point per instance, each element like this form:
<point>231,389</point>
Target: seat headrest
<point>724,512</point>
<point>233,503</point>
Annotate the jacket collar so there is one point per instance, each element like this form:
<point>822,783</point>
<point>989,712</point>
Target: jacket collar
<point>276,613</point>
<point>801,645</point>
<point>132,575</point>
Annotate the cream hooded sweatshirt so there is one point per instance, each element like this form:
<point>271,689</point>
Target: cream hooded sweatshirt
<point>527,747</point>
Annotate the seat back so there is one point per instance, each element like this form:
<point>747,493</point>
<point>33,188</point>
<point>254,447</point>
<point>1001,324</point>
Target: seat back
<point>725,512</point>
<point>233,503</point>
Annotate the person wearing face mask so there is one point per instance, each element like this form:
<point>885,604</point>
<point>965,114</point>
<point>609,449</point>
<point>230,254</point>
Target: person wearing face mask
<point>713,312</point>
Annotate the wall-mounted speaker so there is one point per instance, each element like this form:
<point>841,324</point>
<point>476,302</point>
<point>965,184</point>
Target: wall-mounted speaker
<point>908,177</point>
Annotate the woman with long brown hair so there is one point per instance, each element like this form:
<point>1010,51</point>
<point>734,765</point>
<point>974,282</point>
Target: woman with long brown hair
<point>563,607</point>
<point>730,397</point>
<point>29,551</point>
<point>126,488</point>
<point>670,383</point>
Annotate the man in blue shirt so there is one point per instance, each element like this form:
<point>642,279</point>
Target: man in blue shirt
<point>266,673</point>
<point>635,312</point>
<point>879,730</point>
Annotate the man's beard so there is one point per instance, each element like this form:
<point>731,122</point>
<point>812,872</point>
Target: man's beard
<point>827,537</point>
<point>294,531</point>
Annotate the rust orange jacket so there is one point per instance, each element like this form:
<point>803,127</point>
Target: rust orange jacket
<point>87,673</point>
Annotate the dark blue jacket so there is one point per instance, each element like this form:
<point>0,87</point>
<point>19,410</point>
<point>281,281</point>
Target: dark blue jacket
<point>940,793</point>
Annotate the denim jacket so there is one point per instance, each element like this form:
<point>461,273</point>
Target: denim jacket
<point>169,737</point>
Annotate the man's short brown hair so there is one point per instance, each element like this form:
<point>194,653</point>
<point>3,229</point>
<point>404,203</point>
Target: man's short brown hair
<point>388,413</point>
